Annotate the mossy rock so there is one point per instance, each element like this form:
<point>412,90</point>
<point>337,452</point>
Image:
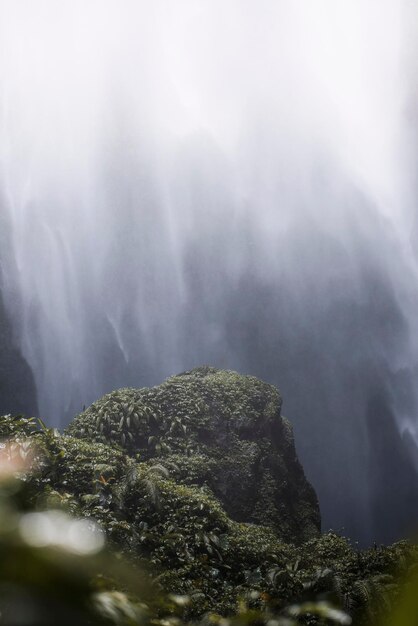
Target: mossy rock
<point>219,429</point>
<point>177,531</point>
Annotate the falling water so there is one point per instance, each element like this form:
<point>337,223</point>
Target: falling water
<point>224,182</point>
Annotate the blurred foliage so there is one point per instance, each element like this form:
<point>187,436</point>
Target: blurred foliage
<point>173,555</point>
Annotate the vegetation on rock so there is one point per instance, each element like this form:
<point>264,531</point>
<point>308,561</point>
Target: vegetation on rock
<point>195,553</point>
<point>217,429</point>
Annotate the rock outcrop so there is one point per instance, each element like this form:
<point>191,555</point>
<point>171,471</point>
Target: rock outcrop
<point>171,460</point>
<point>216,429</point>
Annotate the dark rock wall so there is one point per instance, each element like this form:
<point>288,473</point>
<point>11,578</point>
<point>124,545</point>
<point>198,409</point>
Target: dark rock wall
<point>17,386</point>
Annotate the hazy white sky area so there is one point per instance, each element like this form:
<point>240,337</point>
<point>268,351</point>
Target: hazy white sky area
<point>272,88</point>
<point>229,182</point>
<point>329,74</point>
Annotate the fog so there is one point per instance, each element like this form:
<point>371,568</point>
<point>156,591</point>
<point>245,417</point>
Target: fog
<point>231,183</point>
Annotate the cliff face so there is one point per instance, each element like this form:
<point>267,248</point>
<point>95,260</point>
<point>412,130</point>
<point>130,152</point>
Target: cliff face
<point>217,429</point>
<point>17,386</point>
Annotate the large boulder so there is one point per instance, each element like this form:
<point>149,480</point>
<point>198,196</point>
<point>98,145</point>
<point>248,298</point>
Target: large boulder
<point>216,429</point>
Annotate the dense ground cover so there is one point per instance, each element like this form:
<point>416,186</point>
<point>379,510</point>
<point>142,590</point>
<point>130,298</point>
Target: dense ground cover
<point>205,508</point>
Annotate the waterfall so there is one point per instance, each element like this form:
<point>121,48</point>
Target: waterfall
<point>225,182</point>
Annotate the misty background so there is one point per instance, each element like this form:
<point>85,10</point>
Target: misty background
<point>229,183</point>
